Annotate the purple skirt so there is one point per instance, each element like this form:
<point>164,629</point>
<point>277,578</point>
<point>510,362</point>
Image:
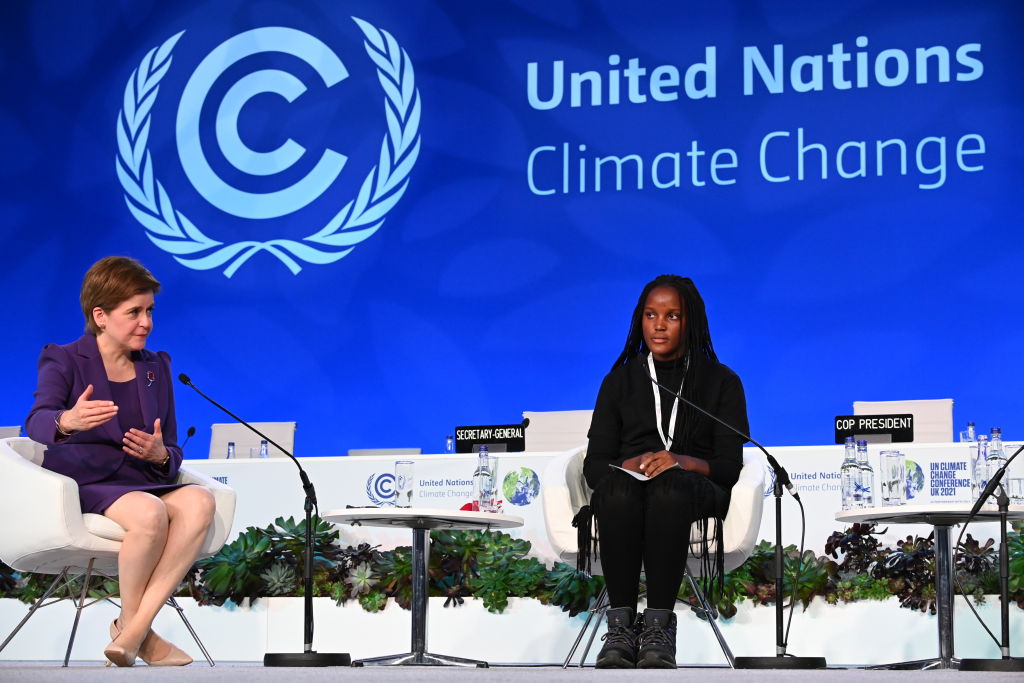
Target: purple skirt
<point>133,475</point>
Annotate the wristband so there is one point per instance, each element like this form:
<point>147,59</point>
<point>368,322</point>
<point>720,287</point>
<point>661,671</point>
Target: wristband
<point>56,421</point>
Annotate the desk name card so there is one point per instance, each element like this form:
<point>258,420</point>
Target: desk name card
<point>899,428</point>
<point>497,438</point>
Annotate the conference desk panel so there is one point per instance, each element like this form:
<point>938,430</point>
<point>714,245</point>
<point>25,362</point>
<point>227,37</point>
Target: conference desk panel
<point>270,488</point>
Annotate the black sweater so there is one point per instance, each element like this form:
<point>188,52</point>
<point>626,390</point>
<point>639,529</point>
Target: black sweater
<point>623,424</point>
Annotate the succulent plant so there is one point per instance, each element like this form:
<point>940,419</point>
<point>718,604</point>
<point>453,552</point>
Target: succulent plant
<point>858,546</point>
<point>494,566</point>
<point>374,601</point>
<point>234,572</point>
<point>279,579</point>
<point>910,569</point>
<point>572,590</point>
<point>360,579</point>
<point>805,576</point>
<point>288,539</point>
<point>8,581</point>
<point>395,572</point>
<point>1015,550</point>
<point>972,557</point>
<point>500,580</point>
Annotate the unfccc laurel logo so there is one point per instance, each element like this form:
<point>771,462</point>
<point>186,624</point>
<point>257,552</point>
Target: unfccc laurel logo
<point>171,230</point>
<point>380,489</point>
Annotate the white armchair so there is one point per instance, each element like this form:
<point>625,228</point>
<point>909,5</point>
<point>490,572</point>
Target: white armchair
<point>53,536</point>
<point>565,491</point>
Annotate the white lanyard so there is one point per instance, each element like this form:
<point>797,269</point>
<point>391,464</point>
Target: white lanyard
<point>667,440</point>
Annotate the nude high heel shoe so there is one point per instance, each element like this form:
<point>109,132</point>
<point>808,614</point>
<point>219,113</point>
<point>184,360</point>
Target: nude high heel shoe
<point>118,654</point>
<point>175,657</point>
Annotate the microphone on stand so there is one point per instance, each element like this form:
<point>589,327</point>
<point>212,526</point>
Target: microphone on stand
<point>308,657</point>
<point>781,660</point>
<point>188,435</point>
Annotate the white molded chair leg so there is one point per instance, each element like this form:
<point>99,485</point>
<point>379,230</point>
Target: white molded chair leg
<point>712,616</point>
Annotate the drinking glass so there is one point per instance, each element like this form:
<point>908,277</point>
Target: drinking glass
<point>1015,490</point>
<point>894,477</point>
<point>979,470</point>
<point>404,483</point>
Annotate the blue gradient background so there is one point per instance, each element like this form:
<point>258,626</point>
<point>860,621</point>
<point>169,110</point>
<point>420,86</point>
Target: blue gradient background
<point>477,300</point>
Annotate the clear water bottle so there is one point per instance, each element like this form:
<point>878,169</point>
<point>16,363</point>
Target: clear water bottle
<point>264,449</point>
<point>449,444</point>
<point>971,433</point>
<point>866,482</point>
<point>483,478</point>
<point>995,445</point>
<point>231,450</point>
<point>979,466</point>
<point>996,457</point>
<point>849,475</point>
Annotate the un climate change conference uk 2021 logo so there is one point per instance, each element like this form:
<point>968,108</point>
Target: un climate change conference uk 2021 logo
<point>171,230</point>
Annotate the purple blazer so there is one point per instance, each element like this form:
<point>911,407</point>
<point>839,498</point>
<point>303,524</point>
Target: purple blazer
<point>92,455</point>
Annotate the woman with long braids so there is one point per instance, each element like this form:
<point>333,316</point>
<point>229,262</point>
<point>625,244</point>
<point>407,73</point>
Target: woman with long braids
<point>689,464</point>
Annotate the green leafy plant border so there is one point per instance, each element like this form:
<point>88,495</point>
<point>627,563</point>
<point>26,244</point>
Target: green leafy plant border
<point>493,567</point>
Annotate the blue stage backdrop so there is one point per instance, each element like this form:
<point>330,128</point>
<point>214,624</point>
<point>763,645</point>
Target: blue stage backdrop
<point>385,219</point>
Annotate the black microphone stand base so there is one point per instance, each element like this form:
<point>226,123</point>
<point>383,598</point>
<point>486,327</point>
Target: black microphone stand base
<point>307,659</point>
<point>1011,664</point>
<point>780,662</point>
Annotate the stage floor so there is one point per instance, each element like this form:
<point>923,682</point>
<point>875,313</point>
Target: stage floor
<point>83,672</point>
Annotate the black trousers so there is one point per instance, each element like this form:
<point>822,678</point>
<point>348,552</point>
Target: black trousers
<point>647,524</point>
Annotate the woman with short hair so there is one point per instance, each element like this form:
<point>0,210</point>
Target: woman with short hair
<point>104,406</point>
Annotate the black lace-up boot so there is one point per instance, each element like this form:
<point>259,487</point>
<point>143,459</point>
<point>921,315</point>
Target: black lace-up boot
<point>657,640</point>
<point>619,650</point>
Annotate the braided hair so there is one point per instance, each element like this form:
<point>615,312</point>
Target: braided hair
<point>696,340</point>
<point>696,336</point>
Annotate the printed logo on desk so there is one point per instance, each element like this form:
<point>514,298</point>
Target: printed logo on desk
<point>915,479</point>
<point>228,134</point>
<point>521,486</point>
<point>380,489</point>
<point>769,479</point>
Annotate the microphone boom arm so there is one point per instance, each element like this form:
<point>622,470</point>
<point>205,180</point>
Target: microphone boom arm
<point>307,485</point>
